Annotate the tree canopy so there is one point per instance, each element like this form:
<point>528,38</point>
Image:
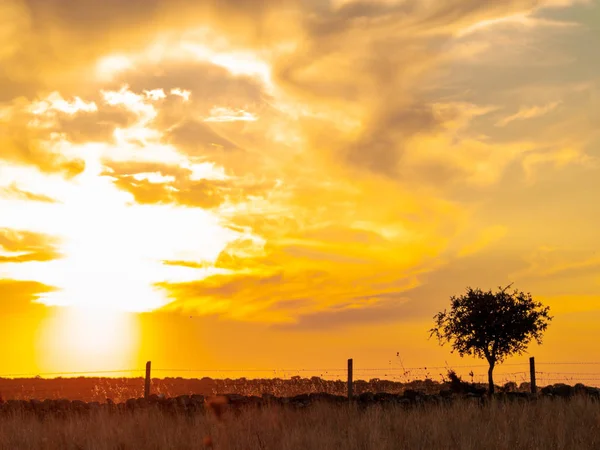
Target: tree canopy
<point>491,325</point>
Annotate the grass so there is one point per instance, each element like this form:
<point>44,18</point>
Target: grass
<point>545,424</point>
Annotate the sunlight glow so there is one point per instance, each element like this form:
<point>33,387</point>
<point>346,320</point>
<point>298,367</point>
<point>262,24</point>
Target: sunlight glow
<point>113,249</point>
<point>109,66</point>
<point>87,339</point>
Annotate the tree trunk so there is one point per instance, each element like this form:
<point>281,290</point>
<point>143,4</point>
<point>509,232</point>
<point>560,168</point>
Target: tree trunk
<point>491,378</point>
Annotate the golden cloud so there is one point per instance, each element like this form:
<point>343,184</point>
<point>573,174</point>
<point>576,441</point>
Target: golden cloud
<point>24,246</point>
<point>21,294</point>
<point>13,191</point>
<point>316,158</point>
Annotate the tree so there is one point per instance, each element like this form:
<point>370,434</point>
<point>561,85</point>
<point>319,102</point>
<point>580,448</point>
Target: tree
<point>491,325</point>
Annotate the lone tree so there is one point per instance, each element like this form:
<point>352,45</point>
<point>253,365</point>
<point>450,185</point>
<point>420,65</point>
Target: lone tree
<point>491,325</point>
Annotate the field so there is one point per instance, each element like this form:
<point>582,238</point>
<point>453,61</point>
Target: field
<point>541,424</point>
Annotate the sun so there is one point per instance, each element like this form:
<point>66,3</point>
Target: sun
<point>86,339</point>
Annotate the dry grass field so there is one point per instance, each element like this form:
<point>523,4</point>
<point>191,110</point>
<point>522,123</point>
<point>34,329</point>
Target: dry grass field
<point>544,424</point>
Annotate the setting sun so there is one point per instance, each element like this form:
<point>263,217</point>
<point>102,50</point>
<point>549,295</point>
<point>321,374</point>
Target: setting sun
<point>87,339</point>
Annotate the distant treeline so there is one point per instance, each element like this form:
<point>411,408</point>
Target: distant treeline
<point>119,389</point>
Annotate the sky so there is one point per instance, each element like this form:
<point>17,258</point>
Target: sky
<point>288,184</point>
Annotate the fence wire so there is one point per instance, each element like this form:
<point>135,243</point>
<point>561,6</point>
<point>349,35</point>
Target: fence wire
<point>398,374</point>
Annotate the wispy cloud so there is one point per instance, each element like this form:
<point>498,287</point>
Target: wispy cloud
<point>14,191</point>
<point>523,20</point>
<point>486,237</point>
<point>529,112</point>
<point>221,114</point>
<point>24,246</point>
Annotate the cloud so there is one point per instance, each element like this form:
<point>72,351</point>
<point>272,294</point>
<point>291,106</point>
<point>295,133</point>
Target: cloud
<point>206,83</point>
<point>487,237</point>
<point>219,114</point>
<point>382,145</point>
<point>197,138</point>
<point>79,121</point>
<point>334,31</point>
<point>389,309</point>
<point>19,296</point>
<point>550,262</point>
<point>155,183</point>
<point>25,246</point>
<point>524,20</point>
<point>83,29</point>
<point>281,280</point>
<point>559,157</point>
<point>15,192</point>
<point>203,194</point>
<point>35,62</point>
<point>329,139</point>
<point>190,264</point>
<point>529,113</point>
<point>25,144</point>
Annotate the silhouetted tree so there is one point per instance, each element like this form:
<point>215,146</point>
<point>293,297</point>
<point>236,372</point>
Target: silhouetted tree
<point>491,325</point>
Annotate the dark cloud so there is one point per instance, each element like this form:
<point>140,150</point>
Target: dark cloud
<point>388,309</point>
<point>386,46</point>
<point>394,50</point>
<point>461,13</point>
<point>52,44</point>
<point>197,138</point>
<point>223,286</point>
<point>241,288</point>
<point>88,18</point>
<point>28,246</point>
<point>218,143</point>
<point>56,40</point>
<point>208,83</point>
<point>97,126</point>
<point>182,121</point>
<point>399,304</point>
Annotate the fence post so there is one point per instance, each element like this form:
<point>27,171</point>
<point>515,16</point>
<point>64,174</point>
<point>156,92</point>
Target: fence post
<point>532,375</point>
<point>350,379</point>
<point>147,384</point>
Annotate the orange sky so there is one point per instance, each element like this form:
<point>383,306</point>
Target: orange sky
<point>288,184</point>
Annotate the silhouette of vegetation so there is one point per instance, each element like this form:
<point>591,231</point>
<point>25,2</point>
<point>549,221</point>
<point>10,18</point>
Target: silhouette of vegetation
<point>458,386</point>
<point>121,389</point>
<point>491,325</point>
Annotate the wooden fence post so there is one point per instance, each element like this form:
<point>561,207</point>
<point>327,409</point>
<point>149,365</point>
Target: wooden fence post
<point>532,375</point>
<point>350,379</point>
<point>147,384</point>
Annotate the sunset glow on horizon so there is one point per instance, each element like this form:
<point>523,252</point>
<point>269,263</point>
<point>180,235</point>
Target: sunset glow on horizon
<point>237,185</point>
